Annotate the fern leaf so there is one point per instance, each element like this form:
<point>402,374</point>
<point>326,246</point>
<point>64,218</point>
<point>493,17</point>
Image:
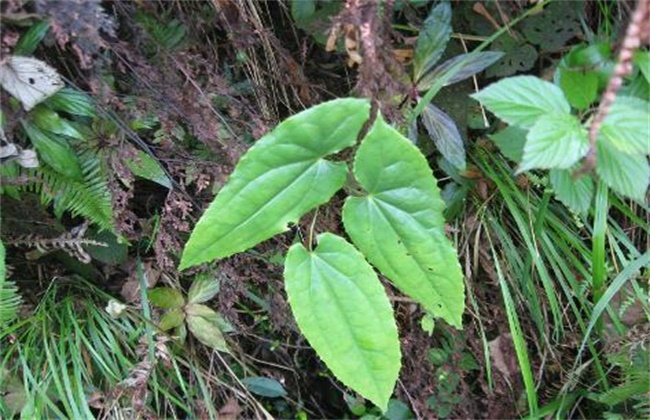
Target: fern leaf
<point>9,298</point>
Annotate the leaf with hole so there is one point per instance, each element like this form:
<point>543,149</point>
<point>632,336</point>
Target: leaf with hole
<point>283,176</point>
<point>398,223</point>
<point>521,100</point>
<point>342,309</point>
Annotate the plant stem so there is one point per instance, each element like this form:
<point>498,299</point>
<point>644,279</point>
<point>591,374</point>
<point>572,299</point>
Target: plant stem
<point>598,243</point>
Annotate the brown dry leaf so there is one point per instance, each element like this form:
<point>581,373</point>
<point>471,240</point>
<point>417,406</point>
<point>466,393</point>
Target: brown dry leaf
<point>231,410</point>
<point>131,288</point>
<point>503,355</point>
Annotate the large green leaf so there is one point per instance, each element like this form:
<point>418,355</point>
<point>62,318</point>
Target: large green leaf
<point>432,40</point>
<point>342,309</point>
<point>627,126</point>
<point>557,140</point>
<point>521,100</point>
<point>399,225</point>
<point>626,174</point>
<point>278,180</point>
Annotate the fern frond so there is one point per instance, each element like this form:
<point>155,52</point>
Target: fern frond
<point>90,198</point>
<point>9,298</point>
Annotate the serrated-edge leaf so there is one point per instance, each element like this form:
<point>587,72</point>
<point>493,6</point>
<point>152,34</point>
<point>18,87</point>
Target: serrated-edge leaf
<point>576,194</point>
<point>432,40</point>
<point>627,126</point>
<point>166,298</point>
<point>473,63</point>
<point>444,133</point>
<point>343,311</point>
<point>207,333</point>
<point>521,100</point>
<point>626,174</point>
<point>556,140</point>
<point>283,176</point>
<point>203,289</point>
<point>399,224</point>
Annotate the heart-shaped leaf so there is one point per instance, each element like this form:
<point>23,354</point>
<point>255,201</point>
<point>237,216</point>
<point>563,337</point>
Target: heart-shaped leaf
<point>399,224</point>
<point>342,309</point>
<point>283,176</point>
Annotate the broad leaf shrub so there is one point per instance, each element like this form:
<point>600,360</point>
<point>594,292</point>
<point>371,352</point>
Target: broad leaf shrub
<point>394,220</point>
<point>544,133</point>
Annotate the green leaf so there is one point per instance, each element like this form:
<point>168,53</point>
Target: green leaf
<point>147,167</point>
<point>511,141</point>
<point>627,126</point>
<point>203,289</point>
<point>642,60</point>
<point>580,87</point>
<point>399,224</point>
<point>557,140</point>
<point>472,63</point>
<point>54,151</point>
<point>171,319</point>
<point>576,194</point>
<point>444,133</point>
<point>196,309</point>
<point>72,102</point>
<point>342,309</point>
<point>521,100</point>
<point>207,333</point>
<point>265,387</point>
<point>432,40</point>
<point>166,298</point>
<point>278,180</point>
<point>29,41</point>
<point>48,120</point>
<point>302,11</point>
<point>623,173</point>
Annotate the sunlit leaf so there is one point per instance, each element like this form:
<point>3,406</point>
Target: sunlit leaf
<point>444,133</point>
<point>399,224</point>
<point>283,176</point>
<point>557,140</point>
<point>432,40</point>
<point>72,102</point>
<point>48,120</point>
<point>521,100</point>
<point>342,309</point>
<point>147,167</point>
<point>196,309</point>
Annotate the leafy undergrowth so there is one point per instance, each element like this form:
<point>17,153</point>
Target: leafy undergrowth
<point>162,99</point>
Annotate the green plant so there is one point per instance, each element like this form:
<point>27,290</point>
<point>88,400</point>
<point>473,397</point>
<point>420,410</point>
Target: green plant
<point>9,297</point>
<point>188,312</point>
<point>393,215</point>
<point>432,42</point>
